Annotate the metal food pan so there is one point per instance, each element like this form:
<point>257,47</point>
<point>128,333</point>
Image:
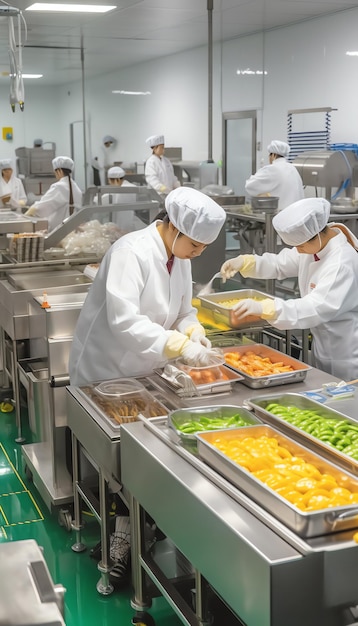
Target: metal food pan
<point>148,407</point>
<point>214,412</point>
<point>304,524</point>
<point>258,382</point>
<point>223,315</point>
<point>259,405</point>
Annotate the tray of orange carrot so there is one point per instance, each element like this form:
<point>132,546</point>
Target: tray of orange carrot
<point>262,366</point>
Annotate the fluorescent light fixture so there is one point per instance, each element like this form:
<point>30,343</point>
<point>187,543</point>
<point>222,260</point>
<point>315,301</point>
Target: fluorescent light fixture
<point>249,72</point>
<point>352,53</point>
<point>132,93</point>
<point>70,8</point>
<point>8,75</point>
<point>31,75</point>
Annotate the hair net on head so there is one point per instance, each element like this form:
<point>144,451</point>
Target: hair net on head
<point>62,162</point>
<point>155,140</point>
<point>38,142</point>
<point>279,147</point>
<point>302,220</point>
<point>108,139</point>
<point>194,214</point>
<point>116,172</point>
<point>5,164</point>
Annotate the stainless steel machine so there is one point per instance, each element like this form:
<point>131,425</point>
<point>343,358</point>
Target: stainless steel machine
<point>28,595</point>
<point>328,169</point>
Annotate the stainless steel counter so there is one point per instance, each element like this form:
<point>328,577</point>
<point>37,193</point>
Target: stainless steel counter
<point>263,571</point>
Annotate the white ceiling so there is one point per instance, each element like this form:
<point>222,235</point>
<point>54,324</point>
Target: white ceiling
<point>141,30</point>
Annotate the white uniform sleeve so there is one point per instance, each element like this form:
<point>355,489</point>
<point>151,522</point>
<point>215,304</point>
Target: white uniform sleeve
<point>133,328</point>
<point>49,201</point>
<point>153,174</point>
<point>262,182</point>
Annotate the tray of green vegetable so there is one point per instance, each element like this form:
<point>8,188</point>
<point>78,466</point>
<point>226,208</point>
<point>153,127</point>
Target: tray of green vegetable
<point>318,426</point>
<point>187,422</point>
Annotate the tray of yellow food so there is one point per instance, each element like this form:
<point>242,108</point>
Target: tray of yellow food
<point>307,493</point>
<point>221,305</point>
<point>262,366</point>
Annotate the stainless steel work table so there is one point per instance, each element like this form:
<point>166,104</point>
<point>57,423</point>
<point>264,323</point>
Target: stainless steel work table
<point>265,573</point>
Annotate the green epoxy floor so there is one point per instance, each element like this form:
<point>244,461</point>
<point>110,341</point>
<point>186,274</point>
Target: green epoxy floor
<point>23,515</point>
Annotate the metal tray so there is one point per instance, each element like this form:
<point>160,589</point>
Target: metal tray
<point>305,524</point>
<point>213,412</point>
<point>105,407</point>
<point>258,382</point>
<point>295,399</point>
<point>223,315</point>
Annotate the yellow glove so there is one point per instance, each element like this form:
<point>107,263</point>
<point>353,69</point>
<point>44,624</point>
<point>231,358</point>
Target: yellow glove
<point>243,263</point>
<point>31,212</point>
<point>196,333</point>
<point>175,344</point>
<point>259,308</point>
<point>162,189</point>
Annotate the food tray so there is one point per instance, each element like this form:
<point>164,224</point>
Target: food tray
<point>131,405</point>
<point>306,404</point>
<point>305,524</point>
<point>214,413</point>
<point>285,378</point>
<point>224,379</point>
<point>223,315</point>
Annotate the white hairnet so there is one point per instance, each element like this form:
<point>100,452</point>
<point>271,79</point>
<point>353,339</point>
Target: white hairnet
<point>108,139</point>
<point>279,147</point>
<point>62,162</point>
<point>302,220</point>
<point>155,140</point>
<point>5,164</point>
<point>38,142</point>
<point>116,172</point>
<point>194,214</point>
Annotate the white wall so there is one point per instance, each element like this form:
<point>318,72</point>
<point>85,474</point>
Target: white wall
<point>306,67</point>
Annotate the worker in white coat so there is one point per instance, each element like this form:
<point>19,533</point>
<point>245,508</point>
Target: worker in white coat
<point>63,197</point>
<point>325,260</point>
<point>126,220</point>
<point>280,178</point>
<point>104,160</point>
<point>12,192</point>
<point>138,313</point>
<point>159,172</point>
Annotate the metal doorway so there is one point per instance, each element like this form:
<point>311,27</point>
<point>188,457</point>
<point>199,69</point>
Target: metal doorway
<point>239,149</point>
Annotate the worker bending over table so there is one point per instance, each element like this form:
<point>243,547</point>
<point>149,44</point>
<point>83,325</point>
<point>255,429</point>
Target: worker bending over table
<point>138,313</point>
<point>324,258</point>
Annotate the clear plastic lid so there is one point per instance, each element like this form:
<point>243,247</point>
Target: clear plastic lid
<point>217,359</point>
<point>119,388</point>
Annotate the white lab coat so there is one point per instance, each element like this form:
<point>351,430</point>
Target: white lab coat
<point>105,160</point>
<point>15,189</point>
<point>328,304</point>
<point>54,204</point>
<point>159,174</point>
<point>125,220</point>
<point>130,310</point>
<point>280,179</point>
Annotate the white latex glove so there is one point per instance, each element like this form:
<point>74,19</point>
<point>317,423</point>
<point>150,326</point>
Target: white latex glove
<point>197,355</point>
<point>232,267</point>
<point>248,307</point>
<point>198,336</point>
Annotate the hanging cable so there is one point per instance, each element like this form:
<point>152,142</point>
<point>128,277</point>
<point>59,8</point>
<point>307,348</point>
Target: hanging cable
<point>17,92</point>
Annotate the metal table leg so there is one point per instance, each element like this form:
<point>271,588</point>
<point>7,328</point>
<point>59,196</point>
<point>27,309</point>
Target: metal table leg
<point>77,523</point>
<point>104,587</point>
